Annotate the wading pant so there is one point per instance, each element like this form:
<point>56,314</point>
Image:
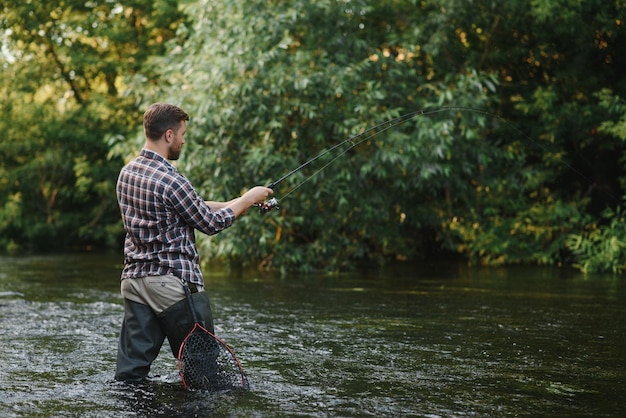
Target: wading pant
<point>155,308</point>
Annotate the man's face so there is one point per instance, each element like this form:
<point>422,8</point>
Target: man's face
<point>178,139</point>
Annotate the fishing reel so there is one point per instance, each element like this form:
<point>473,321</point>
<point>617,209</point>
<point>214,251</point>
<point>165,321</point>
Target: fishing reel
<point>268,206</point>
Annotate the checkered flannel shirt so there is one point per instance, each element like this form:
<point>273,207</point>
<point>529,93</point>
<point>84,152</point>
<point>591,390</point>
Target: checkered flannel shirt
<point>160,210</point>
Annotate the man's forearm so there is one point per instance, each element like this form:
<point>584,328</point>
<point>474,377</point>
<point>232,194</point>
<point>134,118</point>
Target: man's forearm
<point>219,205</point>
<point>237,205</point>
<point>241,204</point>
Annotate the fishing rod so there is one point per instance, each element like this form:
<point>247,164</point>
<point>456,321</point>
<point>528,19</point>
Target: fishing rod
<point>355,140</point>
<point>368,134</point>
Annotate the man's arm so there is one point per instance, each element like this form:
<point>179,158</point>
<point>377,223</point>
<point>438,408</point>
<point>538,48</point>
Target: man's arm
<point>241,204</point>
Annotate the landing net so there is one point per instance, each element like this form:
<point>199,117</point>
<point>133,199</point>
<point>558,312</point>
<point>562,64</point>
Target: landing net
<point>205,362</point>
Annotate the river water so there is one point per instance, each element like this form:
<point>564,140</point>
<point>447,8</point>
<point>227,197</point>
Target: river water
<point>429,340</point>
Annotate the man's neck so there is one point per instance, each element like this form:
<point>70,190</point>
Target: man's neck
<point>155,147</point>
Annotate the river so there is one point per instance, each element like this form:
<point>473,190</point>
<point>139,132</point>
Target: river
<point>426,340</point>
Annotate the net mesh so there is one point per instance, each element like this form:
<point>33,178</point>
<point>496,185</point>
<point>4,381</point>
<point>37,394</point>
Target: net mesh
<point>207,363</point>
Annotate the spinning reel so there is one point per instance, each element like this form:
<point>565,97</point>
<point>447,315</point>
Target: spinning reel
<point>268,206</point>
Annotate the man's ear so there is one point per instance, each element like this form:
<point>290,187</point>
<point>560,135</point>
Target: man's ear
<point>169,135</point>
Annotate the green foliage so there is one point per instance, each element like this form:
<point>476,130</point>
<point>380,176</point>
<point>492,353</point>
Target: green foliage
<point>615,106</point>
<point>56,177</point>
<point>536,234</point>
<point>65,68</point>
<point>601,247</point>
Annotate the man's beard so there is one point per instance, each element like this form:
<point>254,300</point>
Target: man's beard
<point>174,154</point>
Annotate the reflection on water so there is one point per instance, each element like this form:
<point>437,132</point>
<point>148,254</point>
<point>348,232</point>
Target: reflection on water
<point>431,340</point>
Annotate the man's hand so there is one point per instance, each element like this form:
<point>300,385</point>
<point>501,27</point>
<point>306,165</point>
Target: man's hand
<point>255,195</point>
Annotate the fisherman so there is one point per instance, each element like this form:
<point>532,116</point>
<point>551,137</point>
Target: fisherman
<point>161,210</point>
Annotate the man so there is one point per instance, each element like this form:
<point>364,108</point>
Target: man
<point>160,210</point>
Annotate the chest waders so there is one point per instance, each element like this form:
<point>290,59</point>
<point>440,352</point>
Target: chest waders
<point>143,333</point>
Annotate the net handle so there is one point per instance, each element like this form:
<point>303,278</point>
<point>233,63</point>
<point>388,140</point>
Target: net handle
<point>192,307</point>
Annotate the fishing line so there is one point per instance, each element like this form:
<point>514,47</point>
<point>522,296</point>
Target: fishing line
<point>368,134</point>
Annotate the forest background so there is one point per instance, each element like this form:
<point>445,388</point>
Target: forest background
<point>534,174</point>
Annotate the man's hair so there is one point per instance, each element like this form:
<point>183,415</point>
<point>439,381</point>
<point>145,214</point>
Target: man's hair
<point>160,117</point>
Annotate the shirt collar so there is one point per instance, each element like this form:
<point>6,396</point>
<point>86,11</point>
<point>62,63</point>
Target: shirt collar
<point>146,153</point>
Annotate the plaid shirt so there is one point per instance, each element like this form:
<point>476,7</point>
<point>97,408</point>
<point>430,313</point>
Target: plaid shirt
<point>160,210</point>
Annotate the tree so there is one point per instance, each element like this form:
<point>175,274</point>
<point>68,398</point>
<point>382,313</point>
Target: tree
<point>66,67</point>
<point>551,66</point>
<point>269,87</point>
<point>272,84</point>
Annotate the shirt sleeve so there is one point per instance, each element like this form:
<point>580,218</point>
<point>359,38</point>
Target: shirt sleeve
<point>195,212</point>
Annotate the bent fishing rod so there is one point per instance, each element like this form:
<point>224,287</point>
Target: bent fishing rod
<point>355,140</point>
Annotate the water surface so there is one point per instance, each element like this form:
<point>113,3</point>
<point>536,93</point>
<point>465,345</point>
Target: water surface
<point>430,340</point>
